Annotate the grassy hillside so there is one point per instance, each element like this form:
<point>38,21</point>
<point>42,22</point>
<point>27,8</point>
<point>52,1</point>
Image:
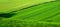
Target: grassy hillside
<point>40,15</point>
<point>10,5</point>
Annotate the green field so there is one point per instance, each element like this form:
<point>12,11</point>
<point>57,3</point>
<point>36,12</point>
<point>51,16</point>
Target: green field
<point>10,5</point>
<point>41,15</point>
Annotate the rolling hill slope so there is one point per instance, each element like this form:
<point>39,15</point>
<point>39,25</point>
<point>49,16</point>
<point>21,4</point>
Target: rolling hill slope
<point>41,15</point>
<point>10,5</point>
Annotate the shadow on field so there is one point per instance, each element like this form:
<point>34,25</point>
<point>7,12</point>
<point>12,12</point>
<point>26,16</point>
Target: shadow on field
<point>6,15</point>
